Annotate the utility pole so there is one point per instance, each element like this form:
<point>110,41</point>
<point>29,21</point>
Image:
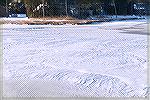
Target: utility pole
<point>6,8</point>
<point>66,7</point>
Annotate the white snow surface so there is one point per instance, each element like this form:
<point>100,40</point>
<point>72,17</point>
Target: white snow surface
<point>100,60</point>
<point>13,18</point>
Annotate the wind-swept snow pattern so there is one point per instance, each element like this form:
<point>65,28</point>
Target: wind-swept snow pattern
<point>99,60</point>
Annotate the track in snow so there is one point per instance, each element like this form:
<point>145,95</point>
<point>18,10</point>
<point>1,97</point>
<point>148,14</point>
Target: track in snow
<point>97,60</point>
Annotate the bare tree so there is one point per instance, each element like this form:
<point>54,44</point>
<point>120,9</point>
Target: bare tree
<point>66,3</point>
<point>6,8</point>
<point>43,8</point>
<point>115,8</point>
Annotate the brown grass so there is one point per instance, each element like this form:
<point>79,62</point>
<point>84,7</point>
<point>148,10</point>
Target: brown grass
<point>48,20</point>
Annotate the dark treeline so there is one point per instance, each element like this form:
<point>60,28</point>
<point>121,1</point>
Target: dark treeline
<point>77,8</point>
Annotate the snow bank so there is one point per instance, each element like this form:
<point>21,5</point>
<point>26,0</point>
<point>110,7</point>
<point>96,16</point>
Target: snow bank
<point>14,19</point>
<point>107,59</point>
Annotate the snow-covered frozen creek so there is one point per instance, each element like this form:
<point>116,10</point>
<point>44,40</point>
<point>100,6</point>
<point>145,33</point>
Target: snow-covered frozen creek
<point>107,59</point>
